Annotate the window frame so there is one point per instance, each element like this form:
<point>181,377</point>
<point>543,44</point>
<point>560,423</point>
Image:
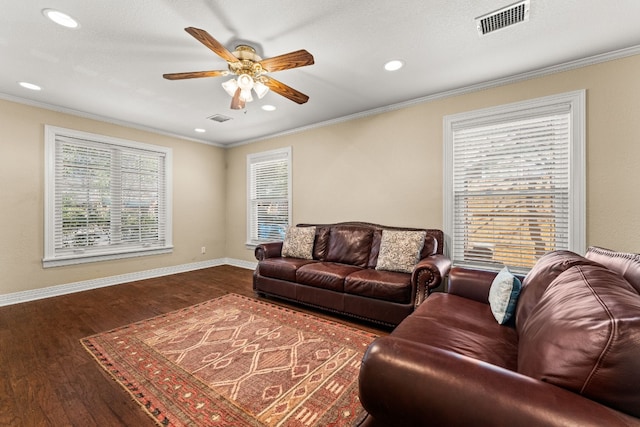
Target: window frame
<point>576,103</point>
<point>256,158</point>
<point>55,258</point>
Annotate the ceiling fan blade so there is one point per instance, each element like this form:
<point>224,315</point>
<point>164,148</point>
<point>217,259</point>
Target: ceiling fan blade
<point>195,74</point>
<point>284,90</point>
<point>205,38</point>
<point>236,102</point>
<point>299,58</point>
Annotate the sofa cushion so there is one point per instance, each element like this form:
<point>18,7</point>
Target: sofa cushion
<point>375,248</point>
<point>298,242</point>
<point>548,267</point>
<point>281,268</point>
<point>326,275</point>
<point>461,325</point>
<point>384,285</point>
<point>626,264</point>
<point>430,246</point>
<point>322,242</point>
<point>349,245</point>
<point>584,335</point>
<point>400,250</point>
<point>503,295</point>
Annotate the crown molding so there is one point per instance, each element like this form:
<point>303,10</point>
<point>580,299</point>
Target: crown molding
<point>124,123</point>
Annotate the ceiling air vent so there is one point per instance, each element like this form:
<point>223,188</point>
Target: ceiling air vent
<point>220,118</point>
<point>501,18</point>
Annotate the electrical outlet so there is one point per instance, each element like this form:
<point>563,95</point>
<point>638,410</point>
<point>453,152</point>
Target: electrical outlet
<point>203,250</point>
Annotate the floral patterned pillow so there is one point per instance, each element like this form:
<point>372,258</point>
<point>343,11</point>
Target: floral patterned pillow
<point>298,242</point>
<point>400,250</point>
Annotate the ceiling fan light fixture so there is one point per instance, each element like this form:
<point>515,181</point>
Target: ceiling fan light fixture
<point>245,82</point>
<point>261,89</point>
<point>230,86</point>
<point>245,95</point>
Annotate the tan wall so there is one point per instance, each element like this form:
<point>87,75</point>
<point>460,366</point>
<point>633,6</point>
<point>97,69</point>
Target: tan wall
<point>198,200</point>
<point>387,168</point>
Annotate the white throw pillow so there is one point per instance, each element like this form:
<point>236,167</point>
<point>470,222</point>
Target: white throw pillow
<point>503,295</point>
<point>298,242</point>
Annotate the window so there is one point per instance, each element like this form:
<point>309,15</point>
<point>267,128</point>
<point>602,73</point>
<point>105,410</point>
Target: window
<point>514,182</point>
<point>105,198</point>
<point>269,195</point>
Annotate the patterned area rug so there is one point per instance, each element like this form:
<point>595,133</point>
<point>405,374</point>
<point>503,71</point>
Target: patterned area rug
<point>235,361</point>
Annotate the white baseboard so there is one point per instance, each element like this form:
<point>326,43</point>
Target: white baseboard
<point>85,285</point>
<point>249,265</point>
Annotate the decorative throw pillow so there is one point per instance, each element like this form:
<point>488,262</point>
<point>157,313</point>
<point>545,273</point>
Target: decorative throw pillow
<point>503,295</point>
<point>400,250</point>
<point>298,242</point>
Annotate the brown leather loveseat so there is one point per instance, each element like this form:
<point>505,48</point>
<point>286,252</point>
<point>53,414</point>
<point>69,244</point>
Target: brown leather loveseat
<point>364,270</point>
<point>571,356</point>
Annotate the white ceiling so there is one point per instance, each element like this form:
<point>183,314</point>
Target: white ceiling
<point>111,67</point>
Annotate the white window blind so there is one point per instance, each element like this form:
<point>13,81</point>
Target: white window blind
<point>269,195</point>
<point>516,180</point>
<point>105,198</point>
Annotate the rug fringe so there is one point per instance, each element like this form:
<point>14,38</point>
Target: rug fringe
<point>97,356</point>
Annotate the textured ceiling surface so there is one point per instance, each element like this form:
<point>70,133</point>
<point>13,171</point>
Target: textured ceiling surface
<point>111,66</point>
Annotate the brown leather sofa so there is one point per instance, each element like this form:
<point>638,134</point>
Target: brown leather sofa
<point>342,277</point>
<point>571,357</point>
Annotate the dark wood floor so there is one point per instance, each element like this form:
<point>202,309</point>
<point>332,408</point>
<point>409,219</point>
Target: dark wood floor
<point>48,379</point>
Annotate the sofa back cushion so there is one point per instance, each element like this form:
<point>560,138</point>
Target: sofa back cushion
<point>548,267</point>
<point>430,246</point>
<point>349,245</point>
<point>584,335</point>
<point>322,243</point>
<point>624,263</point>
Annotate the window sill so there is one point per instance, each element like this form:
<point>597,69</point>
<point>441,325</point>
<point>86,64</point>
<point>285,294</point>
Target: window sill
<point>72,260</point>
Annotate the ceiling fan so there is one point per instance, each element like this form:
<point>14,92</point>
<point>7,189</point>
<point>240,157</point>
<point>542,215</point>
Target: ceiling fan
<point>250,70</point>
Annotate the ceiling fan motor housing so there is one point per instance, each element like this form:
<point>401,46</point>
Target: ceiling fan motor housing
<point>248,62</point>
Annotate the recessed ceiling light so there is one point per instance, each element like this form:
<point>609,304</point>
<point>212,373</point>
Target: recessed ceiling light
<point>199,130</point>
<point>29,86</point>
<point>393,65</point>
<point>60,18</point>
<point>268,107</point>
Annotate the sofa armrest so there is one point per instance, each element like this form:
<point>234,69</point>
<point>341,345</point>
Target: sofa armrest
<point>268,250</point>
<point>428,274</point>
<point>405,383</point>
<point>470,283</point>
